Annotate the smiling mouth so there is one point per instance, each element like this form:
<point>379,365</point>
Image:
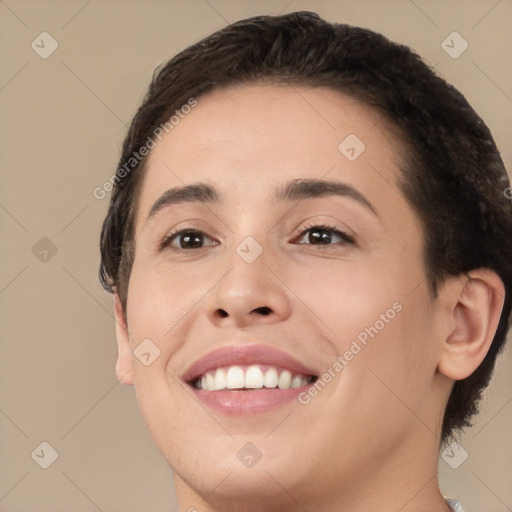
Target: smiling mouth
<point>242,380</point>
<point>250,378</point>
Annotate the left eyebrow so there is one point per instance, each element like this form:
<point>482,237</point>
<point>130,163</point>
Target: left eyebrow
<point>311,188</point>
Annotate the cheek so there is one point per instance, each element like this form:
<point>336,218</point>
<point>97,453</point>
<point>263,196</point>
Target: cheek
<point>370,317</point>
<point>160,296</point>
<point>161,307</point>
<point>344,298</point>
<point>402,357</point>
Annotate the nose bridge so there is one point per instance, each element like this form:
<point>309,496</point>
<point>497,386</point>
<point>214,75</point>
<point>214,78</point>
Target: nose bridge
<point>249,292</point>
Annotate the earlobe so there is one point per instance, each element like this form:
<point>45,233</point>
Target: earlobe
<point>124,364</point>
<point>475,315</point>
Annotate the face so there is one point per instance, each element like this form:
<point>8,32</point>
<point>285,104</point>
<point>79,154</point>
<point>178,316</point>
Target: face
<point>278,313</point>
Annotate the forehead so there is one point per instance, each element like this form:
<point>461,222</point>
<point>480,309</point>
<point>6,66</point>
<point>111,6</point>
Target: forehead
<point>246,140</point>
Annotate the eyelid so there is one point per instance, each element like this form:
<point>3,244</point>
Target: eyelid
<point>165,243</point>
<point>175,224</point>
<point>318,224</point>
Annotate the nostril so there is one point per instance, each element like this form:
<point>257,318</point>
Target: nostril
<point>264,310</point>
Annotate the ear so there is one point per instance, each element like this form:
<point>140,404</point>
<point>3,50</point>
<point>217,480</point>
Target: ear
<point>475,313</point>
<point>124,364</point>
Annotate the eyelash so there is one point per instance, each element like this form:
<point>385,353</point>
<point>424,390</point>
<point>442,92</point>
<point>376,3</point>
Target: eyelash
<point>170,237</point>
<point>347,239</point>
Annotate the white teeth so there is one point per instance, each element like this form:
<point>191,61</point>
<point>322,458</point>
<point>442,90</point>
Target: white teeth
<point>253,377</point>
<point>235,378</point>
<point>270,379</point>
<point>296,381</point>
<point>219,380</point>
<point>285,380</point>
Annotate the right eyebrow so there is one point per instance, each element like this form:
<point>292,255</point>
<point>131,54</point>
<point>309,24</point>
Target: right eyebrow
<point>200,192</point>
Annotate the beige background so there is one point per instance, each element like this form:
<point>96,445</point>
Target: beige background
<point>63,120</point>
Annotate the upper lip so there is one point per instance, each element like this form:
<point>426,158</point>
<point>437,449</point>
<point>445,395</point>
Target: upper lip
<point>245,355</point>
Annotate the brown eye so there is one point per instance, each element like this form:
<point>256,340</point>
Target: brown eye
<point>188,239</point>
<point>320,236</point>
<point>323,235</point>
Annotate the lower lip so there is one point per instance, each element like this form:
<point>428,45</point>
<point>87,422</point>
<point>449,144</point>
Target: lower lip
<point>235,403</point>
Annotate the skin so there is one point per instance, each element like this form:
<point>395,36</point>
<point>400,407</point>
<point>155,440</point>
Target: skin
<point>370,439</point>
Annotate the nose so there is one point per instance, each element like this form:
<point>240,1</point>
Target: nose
<point>249,294</point>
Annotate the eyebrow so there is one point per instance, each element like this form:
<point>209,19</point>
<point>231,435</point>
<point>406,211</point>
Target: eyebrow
<point>311,188</point>
<point>200,192</point>
<point>294,190</point>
